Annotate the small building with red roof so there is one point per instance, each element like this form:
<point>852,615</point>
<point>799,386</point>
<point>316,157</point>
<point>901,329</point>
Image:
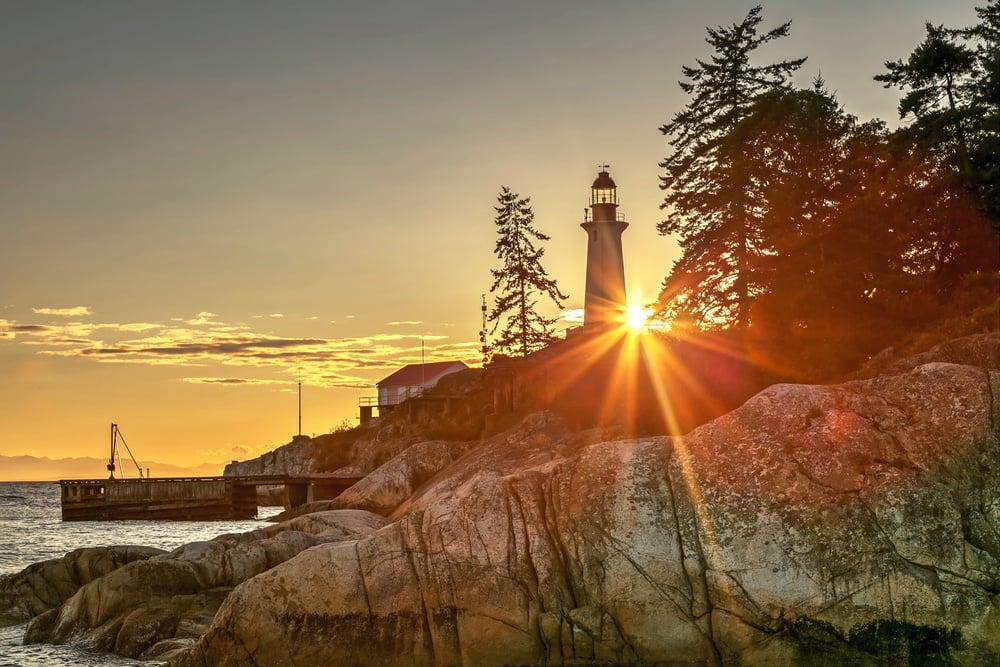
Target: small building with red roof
<point>412,380</point>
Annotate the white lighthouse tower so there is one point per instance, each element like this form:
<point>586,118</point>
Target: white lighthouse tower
<point>604,303</point>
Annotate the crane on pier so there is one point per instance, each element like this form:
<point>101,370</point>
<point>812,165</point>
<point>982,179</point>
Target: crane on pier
<point>116,435</point>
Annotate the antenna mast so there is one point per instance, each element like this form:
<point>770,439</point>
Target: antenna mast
<point>482,333</point>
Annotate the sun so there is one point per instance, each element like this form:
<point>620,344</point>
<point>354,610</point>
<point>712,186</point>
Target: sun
<point>636,317</point>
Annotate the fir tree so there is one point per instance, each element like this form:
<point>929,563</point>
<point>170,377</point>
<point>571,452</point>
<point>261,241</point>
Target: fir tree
<point>985,152</point>
<point>951,98</point>
<point>938,78</point>
<point>710,190</point>
<point>951,84</point>
<point>824,274</point>
<point>520,280</point>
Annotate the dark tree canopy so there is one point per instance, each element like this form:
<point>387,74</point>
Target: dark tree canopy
<point>811,241</point>
<point>520,281</point>
<point>710,190</point>
<point>951,85</point>
<point>938,80</point>
<point>985,151</point>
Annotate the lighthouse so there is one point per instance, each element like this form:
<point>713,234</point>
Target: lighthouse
<point>604,302</point>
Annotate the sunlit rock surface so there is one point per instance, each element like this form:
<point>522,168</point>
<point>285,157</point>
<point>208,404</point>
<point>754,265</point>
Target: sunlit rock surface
<point>813,523</point>
<point>294,459</point>
<point>856,524</point>
<point>392,483</point>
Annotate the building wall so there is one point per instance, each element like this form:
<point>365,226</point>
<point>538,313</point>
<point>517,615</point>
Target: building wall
<point>396,394</point>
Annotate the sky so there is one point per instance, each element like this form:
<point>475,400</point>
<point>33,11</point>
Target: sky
<point>204,204</point>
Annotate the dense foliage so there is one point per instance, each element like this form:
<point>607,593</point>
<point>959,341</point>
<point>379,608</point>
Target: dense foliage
<point>816,240</point>
<point>710,195</point>
<point>520,280</point>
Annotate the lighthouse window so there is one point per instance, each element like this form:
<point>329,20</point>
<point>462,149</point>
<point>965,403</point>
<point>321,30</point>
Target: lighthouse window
<point>603,197</point>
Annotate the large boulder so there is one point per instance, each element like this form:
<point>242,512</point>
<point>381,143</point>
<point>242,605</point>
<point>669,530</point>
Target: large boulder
<point>813,524</point>
<point>46,585</point>
<point>981,350</point>
<point>388,486</point>
<point>151,609</point>
<point>296,459</point>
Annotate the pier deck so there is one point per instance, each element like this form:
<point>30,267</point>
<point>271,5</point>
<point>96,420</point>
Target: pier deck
<point>187,498</point>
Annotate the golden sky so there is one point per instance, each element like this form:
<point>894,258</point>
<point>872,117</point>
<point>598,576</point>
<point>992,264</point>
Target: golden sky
<point>203,204</point>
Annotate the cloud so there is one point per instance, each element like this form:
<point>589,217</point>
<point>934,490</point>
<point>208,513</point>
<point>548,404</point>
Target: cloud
<point>232,381</point>
<point>276,315</point>
<point>233,354</point>
<point>210,348</point>
<point>348,382</point>
<point>75,311</point>
<point>201,319</point>
<point>235,452</point>
<point>404,322</point>
<point>572,315</point>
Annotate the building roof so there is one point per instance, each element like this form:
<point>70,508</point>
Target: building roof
<point>604,181</point>
<point>414,374</point>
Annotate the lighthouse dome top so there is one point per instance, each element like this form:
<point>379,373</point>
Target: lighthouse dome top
<point>604,191</point>
<point>604,181</point>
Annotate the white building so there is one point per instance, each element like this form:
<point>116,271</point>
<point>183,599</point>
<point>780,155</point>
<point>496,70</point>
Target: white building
<point>407,382</point>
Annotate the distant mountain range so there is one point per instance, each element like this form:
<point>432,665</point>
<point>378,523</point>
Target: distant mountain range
<point>42,469</point>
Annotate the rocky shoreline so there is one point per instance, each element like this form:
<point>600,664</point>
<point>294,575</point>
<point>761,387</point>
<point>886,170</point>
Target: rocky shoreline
<point>856,523</point>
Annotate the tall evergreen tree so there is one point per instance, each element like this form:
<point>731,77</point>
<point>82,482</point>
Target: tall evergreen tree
<point>985,152</point>
<point>710,187</point>
<point>951,84</point>
<point>829,264</point>
<point>795,140</point>
<point>520,280</point>
<point>938,78</point>
<point>951,97</point>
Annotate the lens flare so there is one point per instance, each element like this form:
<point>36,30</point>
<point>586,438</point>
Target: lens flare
<point>636,317</point>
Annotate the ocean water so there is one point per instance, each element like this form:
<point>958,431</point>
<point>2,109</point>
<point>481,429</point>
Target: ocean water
<point>31,530</point>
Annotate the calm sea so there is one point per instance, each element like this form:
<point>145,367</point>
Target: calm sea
<point>31,530</point>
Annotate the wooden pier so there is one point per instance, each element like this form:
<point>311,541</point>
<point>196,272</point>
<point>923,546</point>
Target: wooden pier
<point>188,498</point>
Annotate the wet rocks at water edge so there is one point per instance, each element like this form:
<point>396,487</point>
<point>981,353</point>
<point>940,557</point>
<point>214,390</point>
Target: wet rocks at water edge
<point>847,524</point>
<point>46,585</point>
<point>153,608</point>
